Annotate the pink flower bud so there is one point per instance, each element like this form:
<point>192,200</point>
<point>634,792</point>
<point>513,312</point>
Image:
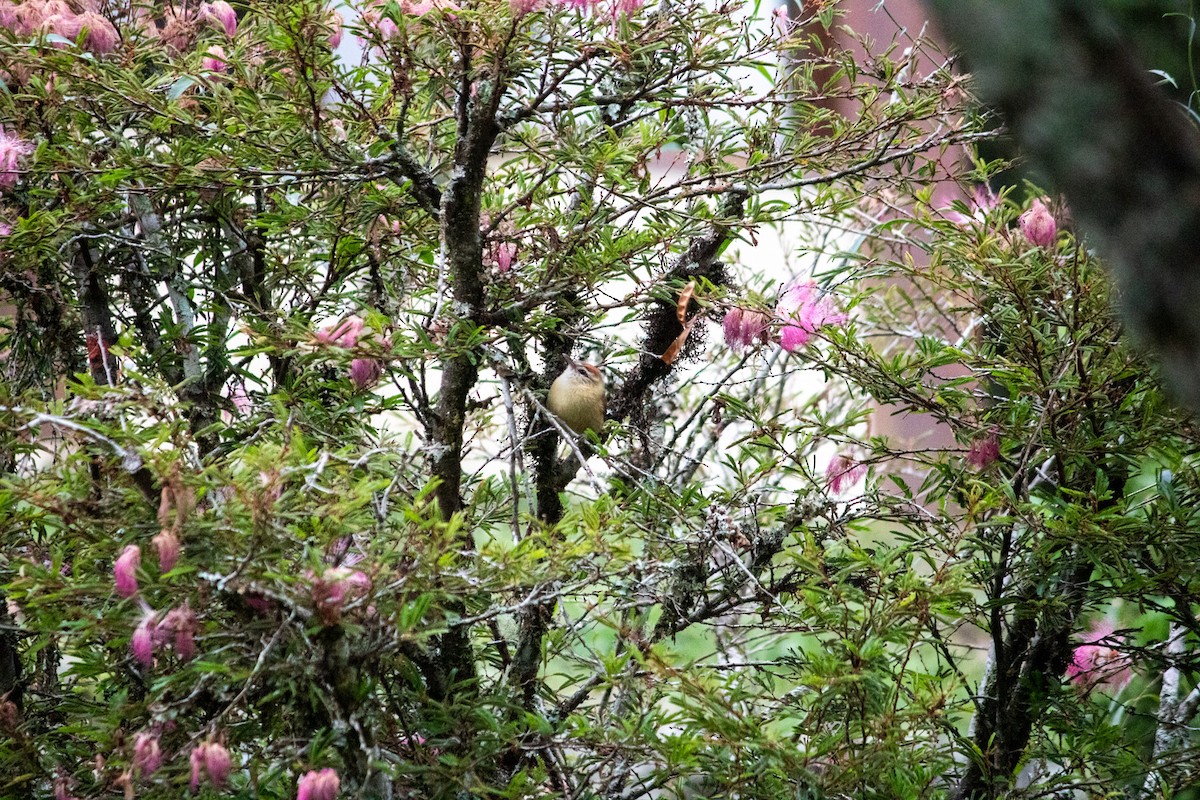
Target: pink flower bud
<point>147,756</point>
<point>319,785</point>
<point>364,372</point>
<point>222,15</point>
<point>744,326</point>
<point>843,472</point>
<point>167,544</point>
<point>197,761</point>
<point>804,310</point>
<point>214,60</point>
<point>1038,225</point>
<point>181,622</point>
<point>145,637</point>
<point>125,570</point>
<point>984,451</point>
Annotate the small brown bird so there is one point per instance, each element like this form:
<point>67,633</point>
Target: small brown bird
<point>577,398</point>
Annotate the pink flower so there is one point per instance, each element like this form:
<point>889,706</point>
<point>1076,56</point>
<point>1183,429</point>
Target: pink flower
<point>144,638</point>
<point>333,589</point>
<point>102,37</point>
<point>1038,225</point>
<point>65,24</point>
<point>743,327</point>
<point>1096,663</point>
<point>8,16</point>
<point>181,623</point>
<point>335,29</point>
<point>843,472</point>
<point>214,59</point>
<point>167,545</point>
<point>522,7</point>
<point>344,335</point>
<point>780,23</point>
<point>984,451</point>
<point>147,755</point>
<point>125,570</point>
<point>804,310</point>
<point>626,7</point>
<point>319,785</point>
<point>364,372</point>
<point>12,149</point>
<point>222,14</point>
<point>212,759</point>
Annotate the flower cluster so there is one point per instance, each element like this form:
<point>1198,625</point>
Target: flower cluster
<point>34,17</point>
<point>802,310</point>
<point>13,150</point>
<point>364,372</point>
<point>319,785</point>
<point>178,627</point>
<point>210,759</point>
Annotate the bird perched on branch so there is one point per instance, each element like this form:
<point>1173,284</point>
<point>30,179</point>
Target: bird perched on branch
<point>577,398</point>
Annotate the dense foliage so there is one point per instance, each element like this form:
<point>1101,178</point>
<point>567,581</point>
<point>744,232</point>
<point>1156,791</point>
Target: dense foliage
<point>284,512</point>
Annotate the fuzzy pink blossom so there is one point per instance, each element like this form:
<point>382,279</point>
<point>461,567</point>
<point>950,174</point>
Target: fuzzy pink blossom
<point>12,149</point>
<point>522,7</point>
<point>843,472</point>
<point>984,451</point>
<point>166,542</point>
<point>8,16</point>
<point>147,755</point>
<point>336,587</point>
<point>102,37</point>
<point>211,759</point>
<point>780,22</point>
<point>222,14</point>
<point>5,229</point>
<point>65,24</point>
<point>1097,662</point>
<point>804,310</point>
<point>182,625</point>
<point>145,637</point>
<point>743,327</point>
<point>125,570</point>
<point>1038,225</point>
<point>344,335</point>
<point>214,59</point>
<point>626,7</point>
<point>319,785</point>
